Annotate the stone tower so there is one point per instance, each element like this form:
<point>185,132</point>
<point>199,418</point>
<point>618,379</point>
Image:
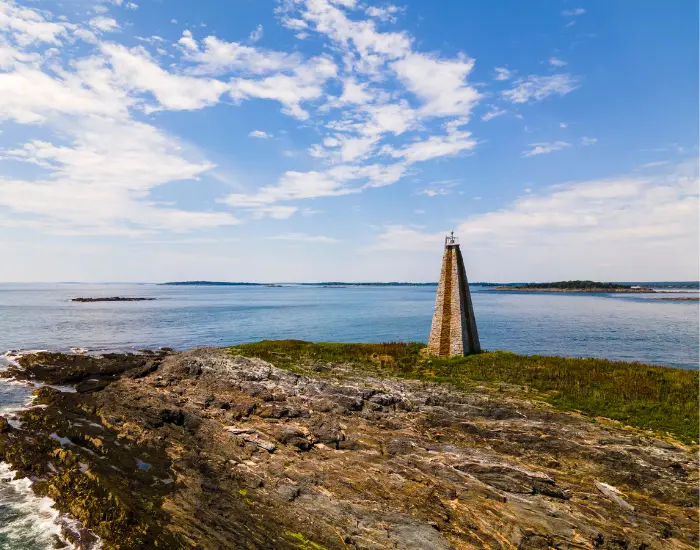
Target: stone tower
<point>454,328</point>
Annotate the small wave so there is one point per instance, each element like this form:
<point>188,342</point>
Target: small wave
<point>28,521</point>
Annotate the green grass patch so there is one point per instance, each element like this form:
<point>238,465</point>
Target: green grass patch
<point>662,399</point>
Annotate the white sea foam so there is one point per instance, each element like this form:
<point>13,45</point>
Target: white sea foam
<point>33,522</point>
<point>26,520</point>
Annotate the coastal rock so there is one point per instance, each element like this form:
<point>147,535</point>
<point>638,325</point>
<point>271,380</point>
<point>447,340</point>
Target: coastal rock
<point>209,449</point>
<point>615,495</point>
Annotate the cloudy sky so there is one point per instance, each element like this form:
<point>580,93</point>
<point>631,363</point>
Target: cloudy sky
<point>306,140</point>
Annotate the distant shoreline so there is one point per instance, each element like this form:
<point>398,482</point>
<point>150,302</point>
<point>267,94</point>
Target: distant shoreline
<point>596,290</point>
<point>519,287</point>
<point>330,284</point>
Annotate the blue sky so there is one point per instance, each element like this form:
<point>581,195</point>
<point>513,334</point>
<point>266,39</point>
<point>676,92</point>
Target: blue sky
<point>305,140</point>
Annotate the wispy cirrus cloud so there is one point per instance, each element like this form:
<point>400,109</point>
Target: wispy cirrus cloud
<point>303,238</point>
<point>545,147</point>
<point>493,113</point>
<point>556,62</point>
<point>574,12</point>
<point>537,87</point>
<point>502,73</point>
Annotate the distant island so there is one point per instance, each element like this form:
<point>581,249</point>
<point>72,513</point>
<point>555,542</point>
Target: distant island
<point>574,286</point>
<point>330,284</point>
<point>111,299</point>
<point>333,284</point>
<point>209,283</point>
<point>561,286</point>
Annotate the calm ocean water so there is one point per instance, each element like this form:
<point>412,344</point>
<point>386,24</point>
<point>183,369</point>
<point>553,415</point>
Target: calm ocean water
<point>630,327</point>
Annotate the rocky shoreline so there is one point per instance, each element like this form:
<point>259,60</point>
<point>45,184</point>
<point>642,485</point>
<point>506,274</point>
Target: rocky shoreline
<point>211,449</point>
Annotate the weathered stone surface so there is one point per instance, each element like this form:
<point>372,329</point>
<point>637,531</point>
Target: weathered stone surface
<point>372,464</point>
<point>453,330</point>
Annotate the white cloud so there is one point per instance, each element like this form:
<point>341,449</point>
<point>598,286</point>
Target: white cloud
<point>216,56</point>
<point>563,125</point>
<point>30,95</point>
<point>573,12</point>
<point>97,178</point>
<point>99,183</point>
<point>257,34</point>
<point>104,24</point>
<point>303,238</point>
<point>354,92</point>
<point>131,6</point>
<point>305,84</point>
<point>28,26</point>
<point>395,118</point>
<point>336,181</point>
<point>454,142</point>
<point>294,24</point>
<point>441,84</point>
<point>408,239</point>
<point>276,211</point>
<point>387,13</point>
<point>135,70</point>
<point>188,42</point>
<point>438,188</point>
<point>353,149</point>
<point>117,81</point>
<point>502,73</point>
<point>293,185</point>
<point>544,148</point>
<point>260,134</point>
<point>370,48</point>
<point>537,88</point>
<point>556,62</point>
<point>619,222</point>
<point>585,140</point>
<point>493,113</point>
<point>11,58</point>
<point>373,107</point>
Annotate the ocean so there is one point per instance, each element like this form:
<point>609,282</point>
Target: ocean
<point>629,327</point>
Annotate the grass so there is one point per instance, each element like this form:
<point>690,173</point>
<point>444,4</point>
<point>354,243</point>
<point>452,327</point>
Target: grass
<point>662,399</point>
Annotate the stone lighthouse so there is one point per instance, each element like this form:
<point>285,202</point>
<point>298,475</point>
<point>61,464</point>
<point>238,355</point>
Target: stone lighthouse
<point>453,331</point>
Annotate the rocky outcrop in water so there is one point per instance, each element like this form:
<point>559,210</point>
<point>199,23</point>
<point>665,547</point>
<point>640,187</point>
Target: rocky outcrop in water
<point>207,449</point>
<point>111,299</point>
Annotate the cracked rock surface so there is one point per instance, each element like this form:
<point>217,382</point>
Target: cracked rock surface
<point>241,454</point>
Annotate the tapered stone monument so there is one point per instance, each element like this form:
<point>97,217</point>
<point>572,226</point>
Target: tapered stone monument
<point>453,331</point>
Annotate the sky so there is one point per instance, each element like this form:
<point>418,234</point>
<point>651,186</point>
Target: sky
<point>316,140</point>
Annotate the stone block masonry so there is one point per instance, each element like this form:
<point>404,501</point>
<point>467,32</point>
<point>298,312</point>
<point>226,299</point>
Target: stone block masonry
<point>453,331</point>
